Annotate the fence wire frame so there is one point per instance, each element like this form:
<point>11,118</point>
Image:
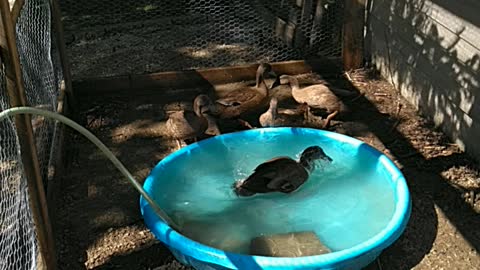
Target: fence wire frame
<point>109,38</point>
<point>42,74</point>
<point>18,244</point>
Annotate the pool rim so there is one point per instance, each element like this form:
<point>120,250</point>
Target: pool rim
<point>208,254</point>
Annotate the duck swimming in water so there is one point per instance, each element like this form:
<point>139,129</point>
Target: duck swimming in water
<point>281,174</point>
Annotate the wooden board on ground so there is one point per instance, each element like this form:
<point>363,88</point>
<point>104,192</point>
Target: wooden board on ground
<point>164,81</point>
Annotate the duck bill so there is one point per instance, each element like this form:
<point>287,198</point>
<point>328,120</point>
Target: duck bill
<point>327,158</point>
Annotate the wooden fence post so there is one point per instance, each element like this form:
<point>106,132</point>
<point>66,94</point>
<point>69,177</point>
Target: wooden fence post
<point>304,20</point>
<point>60,40</point>
<point>16,94</point>
<point>353,27</point>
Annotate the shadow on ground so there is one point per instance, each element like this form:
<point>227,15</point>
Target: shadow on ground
<point>100,212</point>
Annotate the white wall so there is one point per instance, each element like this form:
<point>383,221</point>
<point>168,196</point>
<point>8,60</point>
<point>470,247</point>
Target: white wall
<point>430,51</point>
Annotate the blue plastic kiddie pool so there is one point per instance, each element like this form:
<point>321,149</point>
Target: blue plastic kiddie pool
<point>358,205</point>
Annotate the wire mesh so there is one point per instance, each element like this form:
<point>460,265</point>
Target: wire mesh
<point>108,37</point>
<point>17,234</point>
<point>41,74</point>
<point>34,43</point>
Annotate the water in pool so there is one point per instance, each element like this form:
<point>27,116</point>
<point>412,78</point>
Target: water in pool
<point>344,202</point>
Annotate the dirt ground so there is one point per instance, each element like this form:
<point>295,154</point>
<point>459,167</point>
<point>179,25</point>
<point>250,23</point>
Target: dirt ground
<point>99,225</point>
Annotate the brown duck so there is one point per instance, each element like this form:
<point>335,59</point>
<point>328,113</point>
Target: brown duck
<point>281,174</point>
<point>186,124</point>
<point>317,96</point>
<point>245,99</point>
<point>274,117</point>
<point>301,117</point>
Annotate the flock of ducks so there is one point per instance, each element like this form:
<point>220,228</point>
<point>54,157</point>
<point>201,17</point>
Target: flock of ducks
<point>281,174</point>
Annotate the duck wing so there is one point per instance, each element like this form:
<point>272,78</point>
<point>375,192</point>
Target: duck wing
<point>279,174</point>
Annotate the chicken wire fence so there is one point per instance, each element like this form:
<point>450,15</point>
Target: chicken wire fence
<point>42,74</point>
<point>109,37</point>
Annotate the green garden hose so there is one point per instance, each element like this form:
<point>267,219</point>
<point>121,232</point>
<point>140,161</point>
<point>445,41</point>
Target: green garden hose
<point>29,110</point>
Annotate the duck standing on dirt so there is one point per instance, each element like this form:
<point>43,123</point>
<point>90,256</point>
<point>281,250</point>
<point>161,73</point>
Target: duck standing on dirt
<point>317,96</point>
<point>246,99</point>
<point>274,118</point>
<point>281,174</point>
<point>186,124</point>
<point>302,117</point>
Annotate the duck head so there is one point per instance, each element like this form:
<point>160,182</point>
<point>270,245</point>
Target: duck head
<point>203,105</point>
<point>283,79</point>
<point>311,154</point>
<point>240,191</point>
<point>264,70</point>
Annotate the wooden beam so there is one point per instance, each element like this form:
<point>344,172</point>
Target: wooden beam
<point>16,9</point>
<point>353,27</point>
<point>197,78</point>
<point>3,39</point>
<point>28,151</point>
<point>305,21</point>
<point>60,40</point>
<point>57,153</point>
